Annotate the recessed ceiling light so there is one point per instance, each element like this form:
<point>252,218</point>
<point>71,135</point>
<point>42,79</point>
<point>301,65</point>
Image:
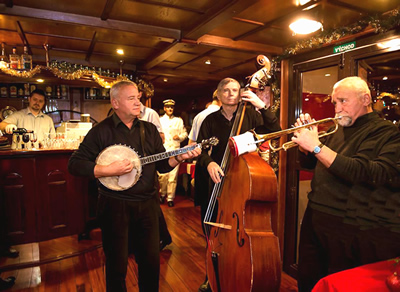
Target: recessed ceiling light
<point>208,62</point>
<point>394,43</point>
<point>305,26</point>
<point>165,79</point>
<point>40,80</point>
<point>120,51</point>
<point>327,74</point>
<point>385,78</point>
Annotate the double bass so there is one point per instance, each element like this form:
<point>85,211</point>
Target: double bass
<point>243,252</point>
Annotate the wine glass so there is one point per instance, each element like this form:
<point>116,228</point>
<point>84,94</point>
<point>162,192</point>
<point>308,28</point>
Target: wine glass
<point>25,139</point>
<point>33,139</point>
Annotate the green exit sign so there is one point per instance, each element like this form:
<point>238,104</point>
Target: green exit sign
<point>344,47</point>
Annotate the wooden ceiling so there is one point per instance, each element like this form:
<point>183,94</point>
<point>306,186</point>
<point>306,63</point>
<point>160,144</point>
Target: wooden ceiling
<point>170,39</point>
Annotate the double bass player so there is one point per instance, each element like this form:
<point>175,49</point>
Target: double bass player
<point>208,171</point>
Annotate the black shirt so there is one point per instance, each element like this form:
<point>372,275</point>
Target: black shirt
<point>215,124</point>
<point>113,131</point>
<point>360,183</point>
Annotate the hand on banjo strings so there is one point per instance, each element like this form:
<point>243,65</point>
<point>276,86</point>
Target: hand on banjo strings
<point>115,168</point>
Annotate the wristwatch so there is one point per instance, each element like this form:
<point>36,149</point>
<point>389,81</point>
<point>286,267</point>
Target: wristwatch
<point>317,149</point>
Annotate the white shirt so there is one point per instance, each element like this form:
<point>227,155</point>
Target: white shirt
<point>149,115</point>
<point>199,118</point>
<point>171,127</point>
<point>42,124</point>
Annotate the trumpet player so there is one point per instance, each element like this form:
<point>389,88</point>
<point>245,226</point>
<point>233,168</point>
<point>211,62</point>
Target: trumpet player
<point>352,217</point>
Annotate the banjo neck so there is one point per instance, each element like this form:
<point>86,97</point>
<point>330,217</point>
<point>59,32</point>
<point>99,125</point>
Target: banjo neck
<point>160,156</point>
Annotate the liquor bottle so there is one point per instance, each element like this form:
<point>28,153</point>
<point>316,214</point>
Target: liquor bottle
<point>14,59</point>
<point>26,60</point>
<point>3,58</point>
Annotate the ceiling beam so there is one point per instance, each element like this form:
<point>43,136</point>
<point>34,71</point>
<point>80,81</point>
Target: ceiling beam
<point>185,74</point>
<point>283,17</point>
<point>216,18</point>
<point>227,43</point>
<point>213,18</point>
<point>23,37</point>
<point>91,47</point>
<point>154,61</point>
<point>156,31</point>
<point>107,9</point>
<point>168,5</point>
<point>351,7</point>
<point>209,52</point>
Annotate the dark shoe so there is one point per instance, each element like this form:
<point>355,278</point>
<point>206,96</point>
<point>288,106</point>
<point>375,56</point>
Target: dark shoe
<point>162,200</point>
<point>6,283</point>
<point>164,243</point>
<point>205,287</point>
<point>10,253</point>
<point>171,204</point>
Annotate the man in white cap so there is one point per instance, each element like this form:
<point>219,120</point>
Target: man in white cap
<point>175,132</point>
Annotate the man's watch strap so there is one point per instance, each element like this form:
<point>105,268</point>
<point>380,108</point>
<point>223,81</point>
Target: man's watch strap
<point>317,149</point>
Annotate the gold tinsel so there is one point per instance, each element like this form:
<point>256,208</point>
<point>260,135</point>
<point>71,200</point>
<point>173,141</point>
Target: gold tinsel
<point>69,75</point>
<point>106,84</point>
<point>23,73</point>
<point>62,73</point>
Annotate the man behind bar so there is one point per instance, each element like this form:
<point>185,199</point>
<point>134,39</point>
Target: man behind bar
<point>31,118</point>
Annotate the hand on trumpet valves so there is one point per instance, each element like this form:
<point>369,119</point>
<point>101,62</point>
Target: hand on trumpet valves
<point>306,138</point>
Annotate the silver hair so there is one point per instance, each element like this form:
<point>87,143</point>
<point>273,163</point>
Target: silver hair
<point>224,82</point>
<point>114,91</point>
<point>357,83</point>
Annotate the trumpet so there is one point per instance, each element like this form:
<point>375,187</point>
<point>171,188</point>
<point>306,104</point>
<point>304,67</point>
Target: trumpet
<point>240,144</point>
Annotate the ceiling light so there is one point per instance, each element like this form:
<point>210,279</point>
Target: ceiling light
<point>302,2</point>
<point>393,43</point>
<point>305,26</point>
<point>327,74</point>
<point>165,79</point>
<point>40,80</point>
<point>120,51</point>
<point>385,78</point>
<point>208,62</point>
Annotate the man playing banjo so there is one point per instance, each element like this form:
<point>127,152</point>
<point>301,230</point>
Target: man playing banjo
<point>127,207</point>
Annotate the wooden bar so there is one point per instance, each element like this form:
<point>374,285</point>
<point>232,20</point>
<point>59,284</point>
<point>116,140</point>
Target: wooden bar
<point>39,198</point>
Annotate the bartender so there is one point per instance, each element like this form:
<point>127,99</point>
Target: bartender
<point>31,118</point>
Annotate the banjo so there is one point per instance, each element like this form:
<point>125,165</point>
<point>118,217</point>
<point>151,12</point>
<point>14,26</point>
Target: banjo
<point>120,152</point>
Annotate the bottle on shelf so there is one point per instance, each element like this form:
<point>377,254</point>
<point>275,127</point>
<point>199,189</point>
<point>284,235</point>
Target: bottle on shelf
<point>14,59</point>
<point>26,60</point>
<point>3,57</point>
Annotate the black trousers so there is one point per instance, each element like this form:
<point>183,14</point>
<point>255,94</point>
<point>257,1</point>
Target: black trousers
<point>327,245</point>
<point>117,219</point>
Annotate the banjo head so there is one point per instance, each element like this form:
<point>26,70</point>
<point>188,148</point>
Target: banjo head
<point>120,152</point>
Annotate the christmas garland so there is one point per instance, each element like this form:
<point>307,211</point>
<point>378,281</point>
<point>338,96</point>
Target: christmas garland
<point>379,23</point>
<point>70,73</point>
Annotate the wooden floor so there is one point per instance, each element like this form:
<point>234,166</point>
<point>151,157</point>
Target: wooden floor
<point>182,262</point>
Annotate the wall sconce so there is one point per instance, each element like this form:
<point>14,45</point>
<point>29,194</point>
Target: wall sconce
<point>305,26</point>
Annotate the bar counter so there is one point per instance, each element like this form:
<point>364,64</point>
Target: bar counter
<point>39,198</point>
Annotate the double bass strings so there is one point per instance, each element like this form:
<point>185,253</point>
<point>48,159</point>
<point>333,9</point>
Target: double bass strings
<point>218,187</point>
